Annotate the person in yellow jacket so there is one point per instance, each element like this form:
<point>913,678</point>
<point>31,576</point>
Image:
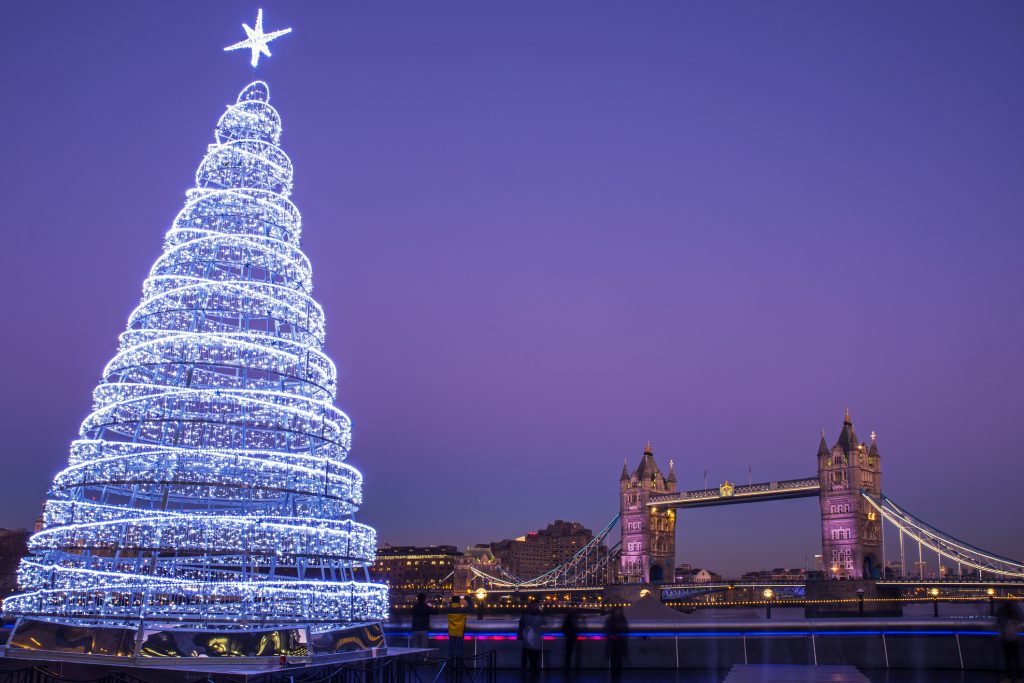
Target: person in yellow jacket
<point>456,628</point>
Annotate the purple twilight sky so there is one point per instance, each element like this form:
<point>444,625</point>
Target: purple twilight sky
<point>546,231</point>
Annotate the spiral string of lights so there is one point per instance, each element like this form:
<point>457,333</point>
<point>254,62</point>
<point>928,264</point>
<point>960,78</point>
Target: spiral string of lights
<point>207,488</point>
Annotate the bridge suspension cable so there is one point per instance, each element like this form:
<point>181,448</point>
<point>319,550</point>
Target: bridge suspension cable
<point>587,568</point>
<point>945,545</point>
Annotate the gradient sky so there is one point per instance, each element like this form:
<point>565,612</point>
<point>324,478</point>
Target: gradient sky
<point>546,231</point>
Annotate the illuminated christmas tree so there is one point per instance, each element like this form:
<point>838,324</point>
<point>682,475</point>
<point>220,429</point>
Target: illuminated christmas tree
<point>207,490</point>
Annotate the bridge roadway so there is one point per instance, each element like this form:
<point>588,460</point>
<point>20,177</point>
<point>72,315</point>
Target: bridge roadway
<point>728,494</point>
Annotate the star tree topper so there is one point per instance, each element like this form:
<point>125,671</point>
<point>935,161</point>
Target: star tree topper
<point>257,40</point>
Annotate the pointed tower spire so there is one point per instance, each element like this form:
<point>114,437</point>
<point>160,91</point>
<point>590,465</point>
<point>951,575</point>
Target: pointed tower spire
<point>648,468</point>
<point>671,470</point>
<point>823,446</point>
<point>625,470</point>
<point>847,437</point>
<point>874,446</point>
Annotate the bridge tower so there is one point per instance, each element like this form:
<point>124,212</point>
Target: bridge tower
<point>851,534</point>
<point>648,534</point>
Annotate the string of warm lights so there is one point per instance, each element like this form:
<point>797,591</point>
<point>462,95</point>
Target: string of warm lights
<point>207,488</point>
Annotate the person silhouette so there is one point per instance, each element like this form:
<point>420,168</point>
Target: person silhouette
<point>571,635</point>
<point>456,629</point>
<point>616,628</point>
<point>1008,624</point>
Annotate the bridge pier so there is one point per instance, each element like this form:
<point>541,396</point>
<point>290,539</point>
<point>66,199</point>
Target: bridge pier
<point>844,599</point>
<point>627,593</point>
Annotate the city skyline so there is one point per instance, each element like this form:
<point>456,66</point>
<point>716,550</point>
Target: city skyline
<point>545,235</point>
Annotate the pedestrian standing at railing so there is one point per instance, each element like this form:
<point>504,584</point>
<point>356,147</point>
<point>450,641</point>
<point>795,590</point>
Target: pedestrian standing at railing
<point>1008,624</point>
<point>533,638</point>
<point>570,636</point>
<point>456,629</point>
<point>420,623</point>
<point>615,628</point>
<point>520,629</point>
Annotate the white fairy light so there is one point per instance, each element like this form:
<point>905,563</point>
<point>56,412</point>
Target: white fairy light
<point>208,488</point>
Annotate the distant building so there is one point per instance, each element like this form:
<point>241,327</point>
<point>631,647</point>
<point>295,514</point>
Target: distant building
<point>706,576</point>
<point>416,568</point>
<point>13,547</point>
<point>777,574</point>
<point>477,557</point>
<point>686,574</point>
<point>540,551</point>
<point>648,535</point>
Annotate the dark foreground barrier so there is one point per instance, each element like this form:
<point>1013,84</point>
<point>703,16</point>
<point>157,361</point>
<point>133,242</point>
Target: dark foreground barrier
<point>866,643</point>
<point>406,668</point>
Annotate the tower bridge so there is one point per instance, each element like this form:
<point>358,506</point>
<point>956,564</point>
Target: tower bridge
<point>851,526</point>
<point>853,509</point>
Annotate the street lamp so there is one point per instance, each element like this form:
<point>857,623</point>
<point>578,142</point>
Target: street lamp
<point>860,606</point>
<point>481,595</point>
<point>934,592</point>
<point>768,595</point>
<point>991,593</point>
